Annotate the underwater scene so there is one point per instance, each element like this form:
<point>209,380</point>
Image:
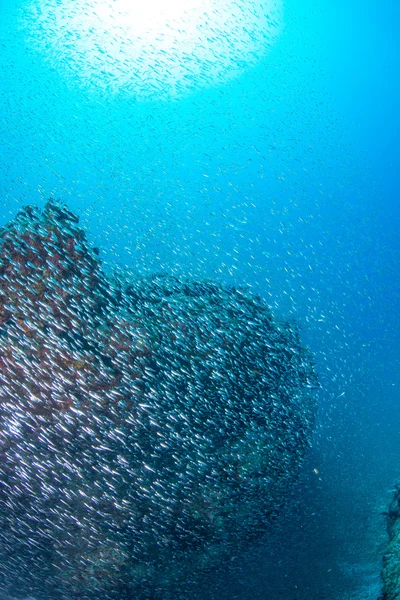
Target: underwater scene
<point>199,300</point>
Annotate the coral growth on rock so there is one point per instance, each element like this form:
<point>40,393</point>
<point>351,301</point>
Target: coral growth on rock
<point>149,426</point>
<point>391,559</point>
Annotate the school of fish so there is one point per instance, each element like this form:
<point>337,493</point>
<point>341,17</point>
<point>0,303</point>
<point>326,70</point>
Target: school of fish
<point>150,426</point>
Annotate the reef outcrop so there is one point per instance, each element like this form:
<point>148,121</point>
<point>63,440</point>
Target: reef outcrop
<point>391,558</point>
<point>149,426</point>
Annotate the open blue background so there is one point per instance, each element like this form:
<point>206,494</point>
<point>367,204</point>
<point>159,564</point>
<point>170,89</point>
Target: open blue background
<point>286,181</point>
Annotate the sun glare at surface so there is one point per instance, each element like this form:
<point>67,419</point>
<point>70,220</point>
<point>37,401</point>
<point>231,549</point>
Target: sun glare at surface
<point>151,49</point>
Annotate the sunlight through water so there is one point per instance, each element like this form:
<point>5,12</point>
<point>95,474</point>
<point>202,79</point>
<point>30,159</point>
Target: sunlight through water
<point>152,49</point>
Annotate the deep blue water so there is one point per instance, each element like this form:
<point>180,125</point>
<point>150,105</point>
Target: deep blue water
<point>285,180</point>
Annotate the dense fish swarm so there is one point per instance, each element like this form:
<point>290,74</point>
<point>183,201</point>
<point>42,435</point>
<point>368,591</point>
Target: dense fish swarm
<point>149,427</point>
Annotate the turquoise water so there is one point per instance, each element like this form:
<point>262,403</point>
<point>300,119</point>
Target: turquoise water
<point>283,178</point>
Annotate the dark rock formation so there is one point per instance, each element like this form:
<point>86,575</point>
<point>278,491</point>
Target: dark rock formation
<point>148,427</point>
<point>391,559</point>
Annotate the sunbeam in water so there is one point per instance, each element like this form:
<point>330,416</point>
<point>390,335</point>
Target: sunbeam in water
<point>154,49</point>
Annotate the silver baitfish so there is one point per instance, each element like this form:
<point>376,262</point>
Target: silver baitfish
<point>150,426</point>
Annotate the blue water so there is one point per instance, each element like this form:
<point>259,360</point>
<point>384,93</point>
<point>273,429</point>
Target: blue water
<point>285,180</point>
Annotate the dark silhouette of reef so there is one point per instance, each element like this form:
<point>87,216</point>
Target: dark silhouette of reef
<point>150,427</point>
<point>391,558</point>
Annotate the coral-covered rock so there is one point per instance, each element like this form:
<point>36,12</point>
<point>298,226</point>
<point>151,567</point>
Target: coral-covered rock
<point>149,427</point>
<point>391,559</point>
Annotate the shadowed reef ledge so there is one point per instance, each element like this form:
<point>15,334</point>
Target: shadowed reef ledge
<point>391,559</point>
